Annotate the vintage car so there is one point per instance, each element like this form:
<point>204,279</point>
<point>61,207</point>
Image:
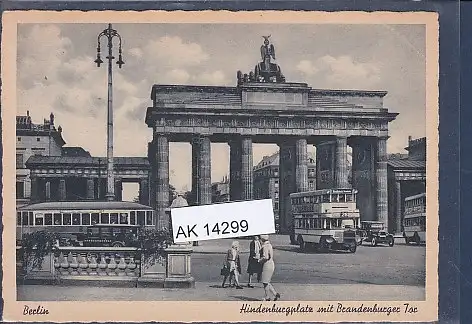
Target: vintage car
<point>114,235</point>
<point>375,233</point>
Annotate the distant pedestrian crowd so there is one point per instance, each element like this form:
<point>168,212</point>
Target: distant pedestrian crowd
<point>260,264</point>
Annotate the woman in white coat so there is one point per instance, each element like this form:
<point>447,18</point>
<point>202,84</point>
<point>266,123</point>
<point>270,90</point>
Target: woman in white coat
<point>268,267</point>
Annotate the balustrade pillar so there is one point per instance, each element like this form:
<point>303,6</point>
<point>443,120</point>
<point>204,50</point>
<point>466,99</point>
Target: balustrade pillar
<point>381,180</point>
<point>62,190</point>
<point>90,189</point>
<point>398,203</point>
<point>48,190</point>
<point>162,179</point>
<point>301,165</point>
<point>340,173</point>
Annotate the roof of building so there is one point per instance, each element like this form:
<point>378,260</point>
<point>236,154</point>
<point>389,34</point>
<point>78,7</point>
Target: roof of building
<point>84,205</point>
<point>75,151</point>
<point>274,160</point>
<point>407,164</point>
<point>36,160</point>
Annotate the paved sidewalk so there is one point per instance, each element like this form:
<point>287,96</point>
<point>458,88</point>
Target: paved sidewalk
<point>205,291</point>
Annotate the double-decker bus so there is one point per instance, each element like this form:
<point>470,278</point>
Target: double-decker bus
<point>414,219</point>
<point>75,218</point>
<point>327,218</point>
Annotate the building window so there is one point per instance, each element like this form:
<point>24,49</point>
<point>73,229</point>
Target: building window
<point>19,161</point>
<point>276,195</point>
<point>38,139</point>
<point>276,205</point>
<point>20,189</point>
<point>19,139</point>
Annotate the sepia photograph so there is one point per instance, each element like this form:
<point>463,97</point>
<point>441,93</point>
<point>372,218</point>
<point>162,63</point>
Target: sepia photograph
<point>121,121</point>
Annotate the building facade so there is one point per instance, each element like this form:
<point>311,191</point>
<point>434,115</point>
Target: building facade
<point>406,177</point>
<point>266,179</point>
<point>220,191</point>
<point>33,140</point>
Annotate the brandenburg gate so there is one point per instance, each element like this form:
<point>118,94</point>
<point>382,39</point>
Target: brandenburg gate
<point>265,108</point>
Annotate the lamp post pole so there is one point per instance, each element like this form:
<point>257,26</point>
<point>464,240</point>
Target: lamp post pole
<point>109,33</point>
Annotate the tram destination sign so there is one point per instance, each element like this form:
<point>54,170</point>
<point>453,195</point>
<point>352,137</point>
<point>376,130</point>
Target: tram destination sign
<point>225,220</point>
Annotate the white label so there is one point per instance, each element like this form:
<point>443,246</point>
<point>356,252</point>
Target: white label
<point>210,222</point>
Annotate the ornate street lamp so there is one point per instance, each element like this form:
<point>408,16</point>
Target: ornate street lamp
<point>110,33</point>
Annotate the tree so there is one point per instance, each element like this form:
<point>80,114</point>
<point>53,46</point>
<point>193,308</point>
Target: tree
<point>34,247</point>
<point>172,193</point>
<point>153,244</point>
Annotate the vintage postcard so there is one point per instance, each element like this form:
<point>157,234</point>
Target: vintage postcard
<point>220,166</point>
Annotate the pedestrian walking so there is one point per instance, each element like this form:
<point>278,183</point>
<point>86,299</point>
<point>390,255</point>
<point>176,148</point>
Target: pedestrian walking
<point>268,267</point>
<point>233,265</point>
<point>253,265</point>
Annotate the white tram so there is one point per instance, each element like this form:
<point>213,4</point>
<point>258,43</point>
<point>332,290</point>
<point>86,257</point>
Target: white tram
<point>327,218</point>
<point>72,218</point>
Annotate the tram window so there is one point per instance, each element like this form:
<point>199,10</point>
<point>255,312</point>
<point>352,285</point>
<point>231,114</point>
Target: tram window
<point>75,219</point>
<point>48,219</point>
<point>104,219</point>
<point>114,218</point>
<point>123,218</point>
<point>39,219</point>
<point>149,218</point>
<point>95,218</point>
<point>141,219</point>
<point>132,218</point>
<point>57,219</point>
<point>66,219</point>
<point>85,219</point>
<point>18,218</point>
<point>30,218</point>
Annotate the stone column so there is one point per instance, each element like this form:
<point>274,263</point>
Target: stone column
<point>162,179</point>
<point>340,171</point>
<point>204,171</point>
<point>34,189</point>
<point>246,169</point>
<point>118,190</point>
<point>287,185</point>
<point>235,169</point>
<point>398,205</point>
<point>144,192</point>
<point>381,180</point>
<point>153,175</point>
<point>301,165</point>
<point>195,170</point>
<point>62,190</point>
<point>90,189</point>
<point>48,190</point>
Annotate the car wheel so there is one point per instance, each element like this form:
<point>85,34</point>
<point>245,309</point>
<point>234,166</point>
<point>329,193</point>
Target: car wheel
<point>301,243</point>
<point>117,244</point>
<point>374,241</point>
<point>353,248</point>
<point>417,239</point>
<point>391,241</point>
<point>407,240</point>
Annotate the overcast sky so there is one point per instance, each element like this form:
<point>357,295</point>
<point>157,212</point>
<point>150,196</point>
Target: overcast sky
<point>56,74</point>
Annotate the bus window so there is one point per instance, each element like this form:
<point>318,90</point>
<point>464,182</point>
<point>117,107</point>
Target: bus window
<point>114,218</point>
<point>123,218</point>
<point>39,219</point>
<point>85,219</point>
<point>342,197</point>
<point>327,223</point>
<point>18,218</point>
<point>75,219</point>
<point>30,218</point>
<point>48,219</point>
<point>95,218</point>
<point>132,218</point>
<point>66,219</point>
<point>349,198</point>
<point>141,219</point>
<point>104,219</point>
<point>149,218</point>
<point>24,219</point>
<point>57,219</point>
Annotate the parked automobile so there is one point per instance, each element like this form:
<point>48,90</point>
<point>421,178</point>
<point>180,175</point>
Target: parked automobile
<point>115,235</point>
<point>375,233</point>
